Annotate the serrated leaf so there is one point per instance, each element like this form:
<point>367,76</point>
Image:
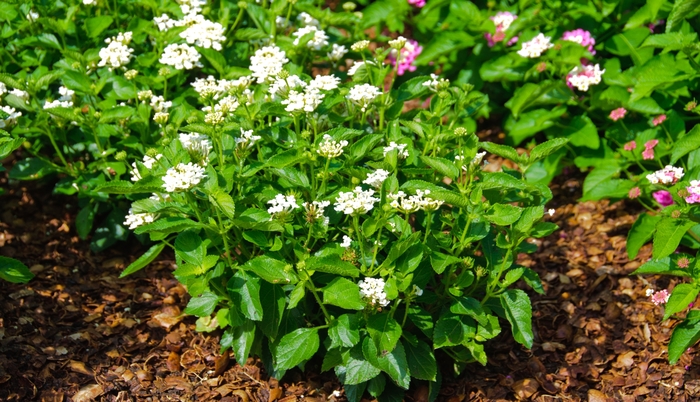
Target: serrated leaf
<point>146,258</point>
<point>343,293</point>
<point>686,144</point>
<point>332,264</point>
<point>681,297</point>
<point>684,336</point>
<point>171,224</point>
<point>668,235</point>
<point>14,271</point>
<point>296,347</point>
<point>641,232</point>
<point>442,165</point>
<point>344,332</point>
<point>202,305</point>
<point>384,330</point>
<point>421,361</point>
<point>271,270</point>
<point>663,266</point>
<point>245,293</point>
<point>547,148</point>
<point>436,192</point>
<point>518,311</point>
<point>272,298</point>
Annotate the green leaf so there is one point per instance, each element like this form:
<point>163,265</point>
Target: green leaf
<point>344,332</point>
<point>503,151</point>
<point>442,166</point>
<point>170,224</point>
<point>332,264</point>
<point>245,293</point>
<point>663,266</point>
<point>533,280</point>
<point>296,347</point>
<point>470,307</point>
<point>224,202</point>
<point>436,192</point>
<point>440,261</point>
<point>202,305</point>
<point>668,235</point>
<point>443,43</point>
<point>384,330</point>
<point>684,336</point>
<point>421,361</point>
<point>77,81</point>
<point>641,232</point>
<point>116,114</point>
<point>243,338</point>
<point>681,297</point>
<point>581,132</point>
<point>216,59</point>
<point>30,169</point>
<point>449,331</point>
<point>358,369</point>
<point>343,293</point>
<point>412,89</point>
<point>682,9</point>
<point>84,220</point>
<point>145,259</point>
<point>531,123</point>
<point>393,363</point>
<point>503,214</point>
<point>687,143</point>
<point>7,11</point>
<point>7,145</point>
<point>109,232</point>
<point>96,25</point>
<point>190,247</point>
<point>271,270</point>
<point>547,148</point>
<point>272,298</point>
<point>14,271</point>
<point>671,41</point>
<point>518,311</point>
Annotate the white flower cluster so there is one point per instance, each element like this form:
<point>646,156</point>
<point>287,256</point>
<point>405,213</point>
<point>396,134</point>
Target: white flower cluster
<point>148,162</point>
<point>503,20</point>
<point>298,96</point>
<point>32,16</point>
<point>191,9</point>
<point>205,33</point>
<point>363,95</point>
<point>347,241</point>
<point>355,202</point>
<point>181,56</point>
<point>474,163</point>
<point>358,65</point>
<point>11,118</point>
<point>583,77</point>
<point>376,178</point>
<point>329,148</point>
<point>282,204</point>
<point>359,45</point>
<point>536,46</point>
<point>337,52</point>
<point>325,82</point>
<point>305,19</point>
<point>267,62</point>
<point>372,289</point>
<point>66,99</point>
<point>23,95</point>
<point>161,107</point>
<point>400,148</point>
<point>304,101</point>
<point>314,210</point>
<point>183,177</point>
<point>210,87</point>
<point>667,175</point>
<point>281,87</point>
<point>318,41</point>
<point>225,106</point>
<point>247,139</point>
<point>145,95</point>
<point>3,89</point>
<point>135,220</point>
<point>413,203</point>
<point>117,54</point>
<point>435,83</point>
<point>197,145</point>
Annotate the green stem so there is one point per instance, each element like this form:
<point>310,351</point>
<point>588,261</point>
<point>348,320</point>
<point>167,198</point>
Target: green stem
<point>312,288</point>
<point>492,285</point>
<point>325,175</point>
<point>428,218</point>
<point>58,151</point>
<point>360,240</point>
<point>376,249</point>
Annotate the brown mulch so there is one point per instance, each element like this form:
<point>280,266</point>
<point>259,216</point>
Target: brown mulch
<point>78,332</point>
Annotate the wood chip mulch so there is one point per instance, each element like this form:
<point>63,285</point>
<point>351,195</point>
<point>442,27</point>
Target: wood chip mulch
<point>78,333</point>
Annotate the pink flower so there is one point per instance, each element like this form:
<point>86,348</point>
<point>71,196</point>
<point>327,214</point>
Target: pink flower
<point>658,120</point>
<point>502,20</point>
<point>663,197</point>
<point>407,56</point>
<point>694,192</point>
<point>541,67</point>
<point>580,36</point>
<point>651,144</point>
<point>417,3</point>
<point>660,297</point>
<point>683,262</point>
<point>649,149</point>
<point>630,146</point>
<point>618,114</point>
<point>634,193</point>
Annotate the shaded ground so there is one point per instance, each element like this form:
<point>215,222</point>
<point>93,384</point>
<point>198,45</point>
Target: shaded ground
<point>77,332</point>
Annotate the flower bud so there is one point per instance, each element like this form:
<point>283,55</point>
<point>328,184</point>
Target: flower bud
<point>152,152</point>
<point>676,214</point>
<point>360,46</point>
<point>120,156</point>
<point>164,71</point>
<point>283,75</point>
<point>242,4</point>
<point>349,6</point>
<point>131,74</point>
<point>460,131</point>
<point>161,117</point>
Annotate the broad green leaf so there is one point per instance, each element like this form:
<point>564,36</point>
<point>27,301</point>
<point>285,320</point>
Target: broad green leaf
<point>344,332</point>
<point>190,247</point>
<point>436,192</point>
<point>531,123</point>
<point>684,336</point>
<point>547,148</point>
<point>681,10</point>
<point>503,151</point>
<point>641,232</point>
<point>441,261</point>
<point>332,264</point>
<point>245,293</point>
<point>77,81</point>
<point>224,202</point>
<point>448,331</point>
<point>581,132</point>
<point>442,166</point>
<point>662,266</point>
<point>84,220</point>
<point>272,298</point>
<point>470,307</point>
<point>668,235</point>
<point>145,259</point>
<point>681,297</point>
<point>477,351</point>
<point>412,89</point>
<point>533,280</point>
<point>110,231</point>
<point>171,224</point>
<point>296,347</point>
<point>30,169</point>
<point>671,41</point>
<point>243,338</point>
<point>216,59</point>
<point>271,270</point>
<point>14,271</point>
<point>421,361</point>
<point>503,214</point>
<point>202,305</point>
<point>7,145</point>
<point>343,293</point>
<point>443,43</point>
<point>393,363</point>
<point>687,143</point>
<point>96,25</point>
<point>384,330</point>
<point>518,311</point>
<point>357,369</point>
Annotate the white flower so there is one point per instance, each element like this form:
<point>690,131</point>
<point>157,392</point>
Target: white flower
<point>536,46</point>
<point>329,148</point>
<point>144,95</point>
<point>3,89</point>
<point>667,175</point>
<point>225,106</point>
<point>181,56</point>
<point>582,77</point>
<point>363,95</point>
<point>197,145</point>
<point>89,2</point>
<point>206,34</point>
<point>306,101</point>
<point>360,45</point>
<point>164,22</point>
<point>503,20</point>
<point>135,220</point>
<point>347,241</point>
<point>409,204</point>
<point>337,52</point>
<point>376,178</point>
<point>372,289</point>
<point>117,54</point>
<point>355,202</point>
<point>436,82</point>
<point>57,103</point>
<point>11,118</point>
<point>400,148</point>
<point>66,94</point>
<point>192,7</point>
<point>183,177</point>
<point>398,43</point>
<point>551,211</point>
<point>358,65</point>
<point>417,291</point>
<point>148,162</point>
<point>305,20</point>
<point>267,62</point>
<point>281,22</point>
<point>282,204</point>
<point>210,87</point>
<point>319,40</point>
<point>325,82</point>
<point>32,16</point>
<point>24,95</point>
<point>247,139</point>
<point>281,86</point>
<point>314,210</point>
<point>161,117</point>
<point>159,104</point>
<point>214,118</point>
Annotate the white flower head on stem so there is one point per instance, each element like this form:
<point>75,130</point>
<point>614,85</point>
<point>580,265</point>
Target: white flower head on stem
<point>347,241</point>
<point>247,139</point>
<point>372,289</point>
<point>205,33</point>
<point>181,56</point>
<point>337,52</point>
<point>267,63</point>
<point>363,95</point>
<point>135,220</point>
<point>282,206</point>
<point>400,148</point>
<point>329,148</point>
<point>148,162</point>
<point>667,175</point>
<point>197,145</point>
<point>355,202</point>
<point>314,211</point>
<point>325,82</point>
<point>318,41</point>
<point>117,54</point>
<point>183,177</point>
<point>536,46</point>
<point>376,178</point>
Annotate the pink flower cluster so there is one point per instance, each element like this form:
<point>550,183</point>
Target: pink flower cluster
<point>693,192</point>
<point>659,297</point>
<point>667,175</point>
<point>663,197</point>
<point>417,3</point>
<point>582,37</point>
<point>630,146</point>
<point>618,114</point>
<point>502,20</point>
<point>658,120</point>
<point>406,56</point>
<point>649,149</point>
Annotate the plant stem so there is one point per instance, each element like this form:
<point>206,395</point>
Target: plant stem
<point>312,288</point>
<point>325,175</point>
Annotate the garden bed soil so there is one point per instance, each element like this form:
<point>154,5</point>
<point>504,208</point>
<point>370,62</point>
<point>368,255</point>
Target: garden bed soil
<point>78,332</point>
